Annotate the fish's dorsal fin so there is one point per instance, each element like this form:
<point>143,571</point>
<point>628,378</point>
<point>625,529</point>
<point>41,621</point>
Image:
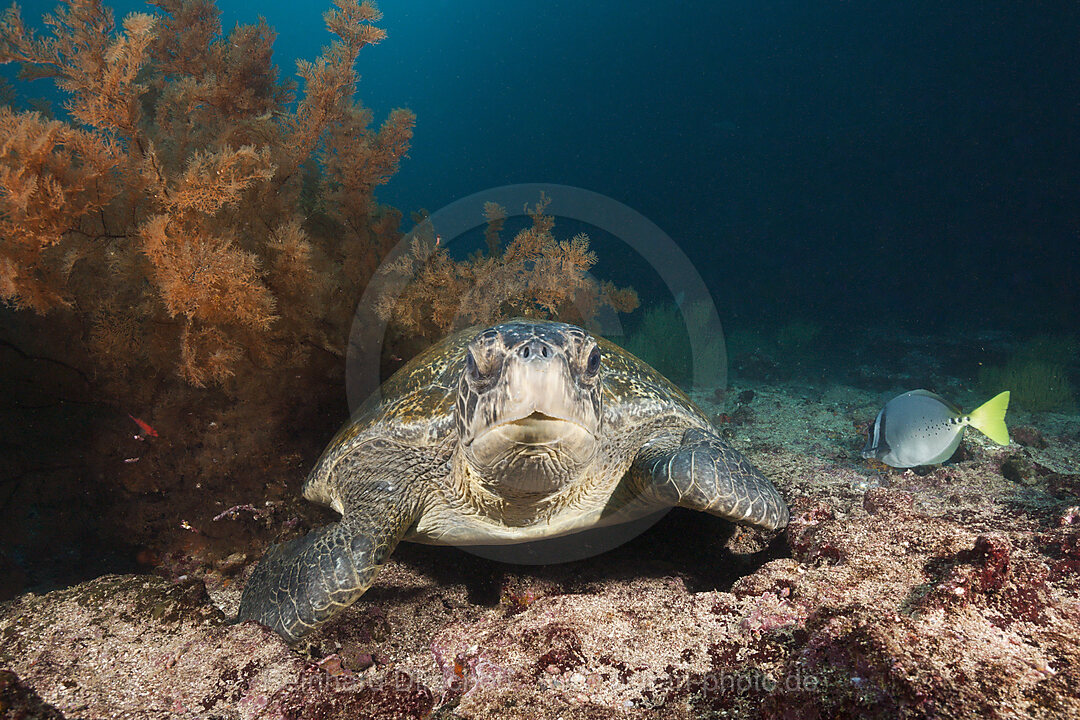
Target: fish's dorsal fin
<point>953,407</point>
<point>989,418</point>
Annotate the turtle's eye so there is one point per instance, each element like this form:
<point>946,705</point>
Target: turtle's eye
<point>592,366</point>
<point>470,366</point>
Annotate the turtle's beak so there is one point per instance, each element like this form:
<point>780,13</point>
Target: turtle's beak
<point>538,429</point>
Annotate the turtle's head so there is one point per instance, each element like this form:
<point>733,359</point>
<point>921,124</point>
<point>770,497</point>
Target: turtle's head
<point>529,406</point>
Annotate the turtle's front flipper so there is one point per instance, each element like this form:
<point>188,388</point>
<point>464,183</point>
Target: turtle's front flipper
<point>699,471</point>
<point>300,584</point>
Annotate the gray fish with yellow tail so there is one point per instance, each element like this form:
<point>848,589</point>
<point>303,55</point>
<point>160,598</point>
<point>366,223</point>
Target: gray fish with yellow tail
<point>922,428</point>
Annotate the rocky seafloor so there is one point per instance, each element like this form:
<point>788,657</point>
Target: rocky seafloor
<point>951,591</point>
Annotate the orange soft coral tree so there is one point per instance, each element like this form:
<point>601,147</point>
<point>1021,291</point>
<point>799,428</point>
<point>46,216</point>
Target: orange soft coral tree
<point>197,231</point>
<point>535,275</point>
<point>170,203</point>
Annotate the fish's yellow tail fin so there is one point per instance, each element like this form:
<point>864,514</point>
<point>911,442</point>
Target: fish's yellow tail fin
<point>989,418</point>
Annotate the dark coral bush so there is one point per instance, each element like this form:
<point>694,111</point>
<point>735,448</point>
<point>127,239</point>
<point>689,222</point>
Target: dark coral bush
<point>190,233</point>
<point>171,201</point>
<point>429,293</point>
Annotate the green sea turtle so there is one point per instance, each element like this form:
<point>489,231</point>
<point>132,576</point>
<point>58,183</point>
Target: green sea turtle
<point>518,432</point>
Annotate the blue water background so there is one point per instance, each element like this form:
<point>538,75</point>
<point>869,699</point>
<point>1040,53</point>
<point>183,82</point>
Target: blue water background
<point>911,164</point>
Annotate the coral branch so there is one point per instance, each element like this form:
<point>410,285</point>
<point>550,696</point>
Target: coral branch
<point>214,180</point>
<point>98,70</point>
<point>534,276</point>
<point>170,203</point>
<point>52,178</point>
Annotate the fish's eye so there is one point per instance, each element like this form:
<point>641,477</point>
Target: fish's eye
<point>592,365</point>
<point>470,366</point>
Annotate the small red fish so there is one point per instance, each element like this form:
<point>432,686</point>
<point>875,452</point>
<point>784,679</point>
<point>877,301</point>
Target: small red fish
<point>144,426</point>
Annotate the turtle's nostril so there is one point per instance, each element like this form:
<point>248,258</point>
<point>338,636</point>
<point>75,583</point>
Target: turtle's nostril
<point>534,348</point>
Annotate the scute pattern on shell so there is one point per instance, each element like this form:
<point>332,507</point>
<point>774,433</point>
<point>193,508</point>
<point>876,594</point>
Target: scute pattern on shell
<point>425,389</point>
<point>626,376</point>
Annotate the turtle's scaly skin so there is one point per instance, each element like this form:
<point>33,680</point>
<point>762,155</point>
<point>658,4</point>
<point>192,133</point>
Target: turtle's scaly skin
<point>520,432</point>
<point>301,583</point>
<point>700,472</point>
